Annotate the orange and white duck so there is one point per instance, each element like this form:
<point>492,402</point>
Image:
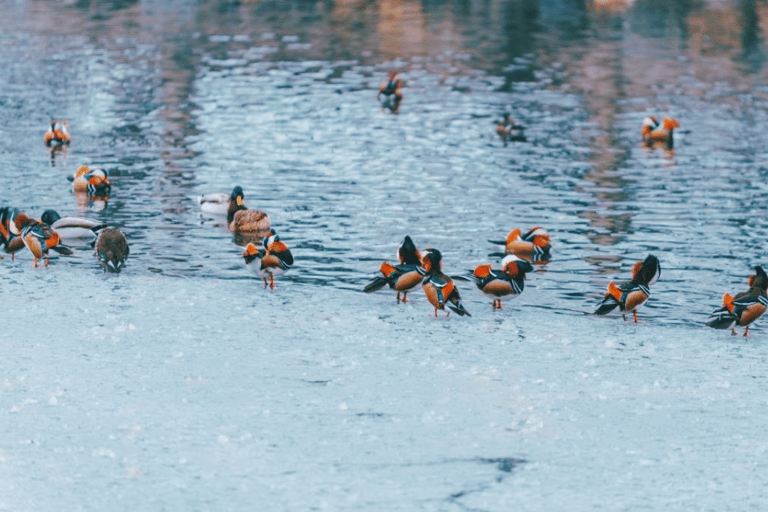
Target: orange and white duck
<point>440,289</point>
<point>94,182</point>
<point>630,296</point>
<point>57,134</point>
<point>241,219</point>
<point>39,238</point>
<point>277,259</point>
<point>534,244</point>
<point>403,277</point>
<point>743,308</point>
<point>508,282</point>
<point>509,130</point>
<point>652,131</point>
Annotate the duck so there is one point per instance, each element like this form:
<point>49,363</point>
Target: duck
<point>8,228</point>
<point>631,295</point>
<point>111,249</point>
<point>390,93</point>
<point>39,238</point>
<point>57,134</point>
<point>440,289</point>
<point>72,227</point>
<point>94,182</point>
<point>253,257</point>
<point>242,219</point>
<point>217,203</point>
<point>653,132</point>
<point>743,308</point>
<point>534,244</point>
<point>509,130</point>
<point>403,277</point>
<point>277,258</point>
<point>508,282</point>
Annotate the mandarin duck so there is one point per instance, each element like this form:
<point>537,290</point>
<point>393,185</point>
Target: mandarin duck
<point>508,282</point>
<point>39,238</point>
<point>440,289</point>
<point>57,134</point>
<point>509,130</point>
<point>390,93</point>
<point>743,308</point>
<point>403,277</point>
<point>93,182</point>
<point>630,296</point>
<point>653,132</point>
<point>534,244</point>
<point>277,258</point>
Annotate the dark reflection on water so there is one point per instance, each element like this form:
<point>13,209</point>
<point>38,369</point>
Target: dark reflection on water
<point>178,99</point>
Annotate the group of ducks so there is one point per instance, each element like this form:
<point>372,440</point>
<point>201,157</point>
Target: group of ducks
<point>19,230</point>
<point>267,262</point>
<point>415,269</point>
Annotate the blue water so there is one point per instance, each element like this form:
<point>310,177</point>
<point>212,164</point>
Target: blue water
<point>182,384</point>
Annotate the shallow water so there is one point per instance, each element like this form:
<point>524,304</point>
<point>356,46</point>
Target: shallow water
<point>182,383</point>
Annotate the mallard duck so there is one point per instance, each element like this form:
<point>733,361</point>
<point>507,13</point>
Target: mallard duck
<point>72,227</point>
<point>242,219</point>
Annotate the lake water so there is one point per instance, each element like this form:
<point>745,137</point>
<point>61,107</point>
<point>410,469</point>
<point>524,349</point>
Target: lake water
<point>183,384</point>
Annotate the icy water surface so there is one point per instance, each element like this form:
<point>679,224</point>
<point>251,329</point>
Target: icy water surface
<point>182,384</point>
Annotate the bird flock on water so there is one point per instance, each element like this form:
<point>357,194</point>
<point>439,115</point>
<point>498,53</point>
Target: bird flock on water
<point>267,256</point>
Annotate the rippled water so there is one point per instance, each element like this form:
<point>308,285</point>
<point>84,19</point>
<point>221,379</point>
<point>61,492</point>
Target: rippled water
<point>182,383</point>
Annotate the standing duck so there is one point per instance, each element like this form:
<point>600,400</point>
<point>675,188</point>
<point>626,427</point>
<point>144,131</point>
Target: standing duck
<point>253,257</point>
<point>743,308</point>
<point>242,219</point>
<point>438,287</point>
<point>630,296</point>
<point>507,282</point>
<point>39,238</point>
<point>403,277</point>
<point>111,248</point>
<point>277,258</point>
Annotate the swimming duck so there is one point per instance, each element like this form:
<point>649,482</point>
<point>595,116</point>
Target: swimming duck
<point>390,93</point>
<point>215,203</point>
<point>57,134</point>
<point>72,227</point>
<point>630,296</point>
<point>507,282</point>
<point>241,219</point>
<point>652,133</point>
<point>509,130</point>
<point>403,277</point>
<point>743,308</point>
<point>93,182</point>
<point>277,258</point>
<point>111,248</point>
<point>534,244</point>
<point>438,287</point>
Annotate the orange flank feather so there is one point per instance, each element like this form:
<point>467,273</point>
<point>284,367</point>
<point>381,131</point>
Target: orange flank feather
<point>386,268</point>
<point>614,291</point>
<point>728,301</point>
